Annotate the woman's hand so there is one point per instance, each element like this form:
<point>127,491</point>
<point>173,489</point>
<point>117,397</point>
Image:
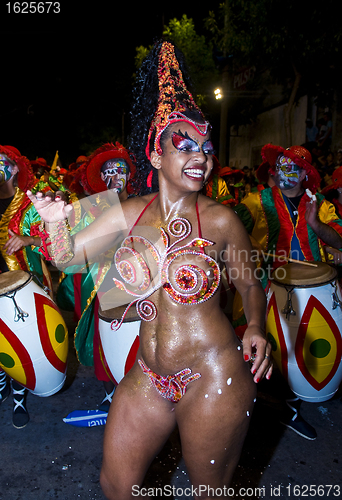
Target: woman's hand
<point>257,350</point>
<point>52,207</point>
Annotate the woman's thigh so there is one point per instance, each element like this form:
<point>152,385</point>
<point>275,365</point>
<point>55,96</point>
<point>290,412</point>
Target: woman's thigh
<point>138,425</point>
<point>213,420</point>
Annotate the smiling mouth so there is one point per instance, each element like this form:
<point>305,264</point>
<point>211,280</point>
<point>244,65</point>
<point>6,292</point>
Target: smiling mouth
<point>194,173</point>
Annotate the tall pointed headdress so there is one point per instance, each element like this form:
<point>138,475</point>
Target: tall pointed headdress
<point>174,99</point>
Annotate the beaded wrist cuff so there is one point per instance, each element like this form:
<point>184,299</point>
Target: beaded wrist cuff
<point>59,240</point>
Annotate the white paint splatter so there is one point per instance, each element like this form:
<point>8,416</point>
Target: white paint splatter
<point>247,413</point>
<point>212,461</point>
<point>219,391</point>
<point>206,395</point>
<point>239,348</point>
<point>229,381</point>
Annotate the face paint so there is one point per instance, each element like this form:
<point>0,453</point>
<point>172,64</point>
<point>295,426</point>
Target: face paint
<point>115,174</point>
<point>186,144</point>
<point>287,173</point>
<point>5,169</point>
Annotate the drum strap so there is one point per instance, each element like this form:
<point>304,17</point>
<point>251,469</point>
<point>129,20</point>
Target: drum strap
<point>292,206</point>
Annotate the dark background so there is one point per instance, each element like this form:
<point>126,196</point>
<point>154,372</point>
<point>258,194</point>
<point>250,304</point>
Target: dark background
<point>68,76</point>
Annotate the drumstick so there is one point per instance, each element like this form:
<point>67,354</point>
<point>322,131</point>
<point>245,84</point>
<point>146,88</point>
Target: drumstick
<point>304,262</point>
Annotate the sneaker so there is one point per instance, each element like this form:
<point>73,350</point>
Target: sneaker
<point>20,415</point>
<point>300,426</point>
<point>105,403</point>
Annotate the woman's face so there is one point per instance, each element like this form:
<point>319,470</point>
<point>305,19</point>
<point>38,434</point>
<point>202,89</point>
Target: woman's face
<point>187,157</point>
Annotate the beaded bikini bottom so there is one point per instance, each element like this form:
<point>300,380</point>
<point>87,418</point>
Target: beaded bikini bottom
<point>171,387</point>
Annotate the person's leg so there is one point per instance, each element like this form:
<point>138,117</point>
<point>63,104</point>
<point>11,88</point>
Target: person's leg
<point>213,418</point>
<point>138,425</point>
<point>5,388</point>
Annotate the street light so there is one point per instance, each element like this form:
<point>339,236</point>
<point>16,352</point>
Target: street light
<point>218,94</point>
<point>222,96</point>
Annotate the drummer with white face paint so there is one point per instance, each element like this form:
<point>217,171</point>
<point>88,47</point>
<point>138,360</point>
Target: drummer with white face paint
<point>115,173</point>
<point>19,251</point>
<point>289,220</point>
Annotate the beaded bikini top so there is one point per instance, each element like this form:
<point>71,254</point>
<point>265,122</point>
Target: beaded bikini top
<point>191,284</point>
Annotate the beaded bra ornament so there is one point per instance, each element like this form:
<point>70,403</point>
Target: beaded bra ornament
<point>193,286</point>
<point>174,99</point>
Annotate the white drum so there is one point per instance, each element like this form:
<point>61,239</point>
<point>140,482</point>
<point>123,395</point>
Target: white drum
<point>118,348</point>
<point>33,335</point>
<point>304,326</point>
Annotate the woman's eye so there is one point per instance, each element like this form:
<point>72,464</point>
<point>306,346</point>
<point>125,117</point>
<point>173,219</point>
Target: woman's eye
<point>208,148</point>
<point>184,144</point>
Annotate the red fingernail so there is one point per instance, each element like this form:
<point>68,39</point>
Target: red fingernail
<point>257,380</point>
<point>246,357</point>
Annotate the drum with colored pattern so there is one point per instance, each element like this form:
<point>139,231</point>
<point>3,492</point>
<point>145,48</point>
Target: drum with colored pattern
<point>118,348</point>
<point>304,326</point>
<point>33,335</point>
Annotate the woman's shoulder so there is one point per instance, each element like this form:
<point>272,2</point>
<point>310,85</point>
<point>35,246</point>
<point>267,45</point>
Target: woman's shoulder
<point>136,203</point>
<point>215,212</point>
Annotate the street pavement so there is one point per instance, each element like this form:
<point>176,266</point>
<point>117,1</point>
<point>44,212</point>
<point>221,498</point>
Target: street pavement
<point>49,459</point>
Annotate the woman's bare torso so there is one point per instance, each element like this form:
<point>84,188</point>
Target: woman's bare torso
<point>189,328</point>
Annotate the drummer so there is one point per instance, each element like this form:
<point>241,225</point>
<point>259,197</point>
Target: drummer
<point>19,245</point>
<point>290,219</point>
<point>191,370</point>
<point>109,168</point>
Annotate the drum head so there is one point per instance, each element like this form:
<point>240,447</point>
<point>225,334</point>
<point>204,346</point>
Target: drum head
<point>13,280</point>
<point>117,312</point>
<point>303,276</point>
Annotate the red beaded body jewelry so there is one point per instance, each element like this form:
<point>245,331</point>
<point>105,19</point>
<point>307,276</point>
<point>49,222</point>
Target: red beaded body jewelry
<point>192,284</point>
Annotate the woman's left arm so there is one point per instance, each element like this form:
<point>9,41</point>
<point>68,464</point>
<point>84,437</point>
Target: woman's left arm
<point>242,271</point>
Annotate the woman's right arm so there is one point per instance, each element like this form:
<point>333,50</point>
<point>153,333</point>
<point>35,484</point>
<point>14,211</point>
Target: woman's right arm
<point>98,237</point>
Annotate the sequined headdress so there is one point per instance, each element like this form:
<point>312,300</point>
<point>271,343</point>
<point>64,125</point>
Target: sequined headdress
<point>174,99</point>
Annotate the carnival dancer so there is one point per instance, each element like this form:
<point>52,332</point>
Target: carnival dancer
<point>191,370</point>
<point>285,220</point>
<point>111,167</point>
<point>19,246</point>
<point>216,187</point>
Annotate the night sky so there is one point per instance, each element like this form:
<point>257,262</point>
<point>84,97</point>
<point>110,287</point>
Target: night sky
<point>68,75</point>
